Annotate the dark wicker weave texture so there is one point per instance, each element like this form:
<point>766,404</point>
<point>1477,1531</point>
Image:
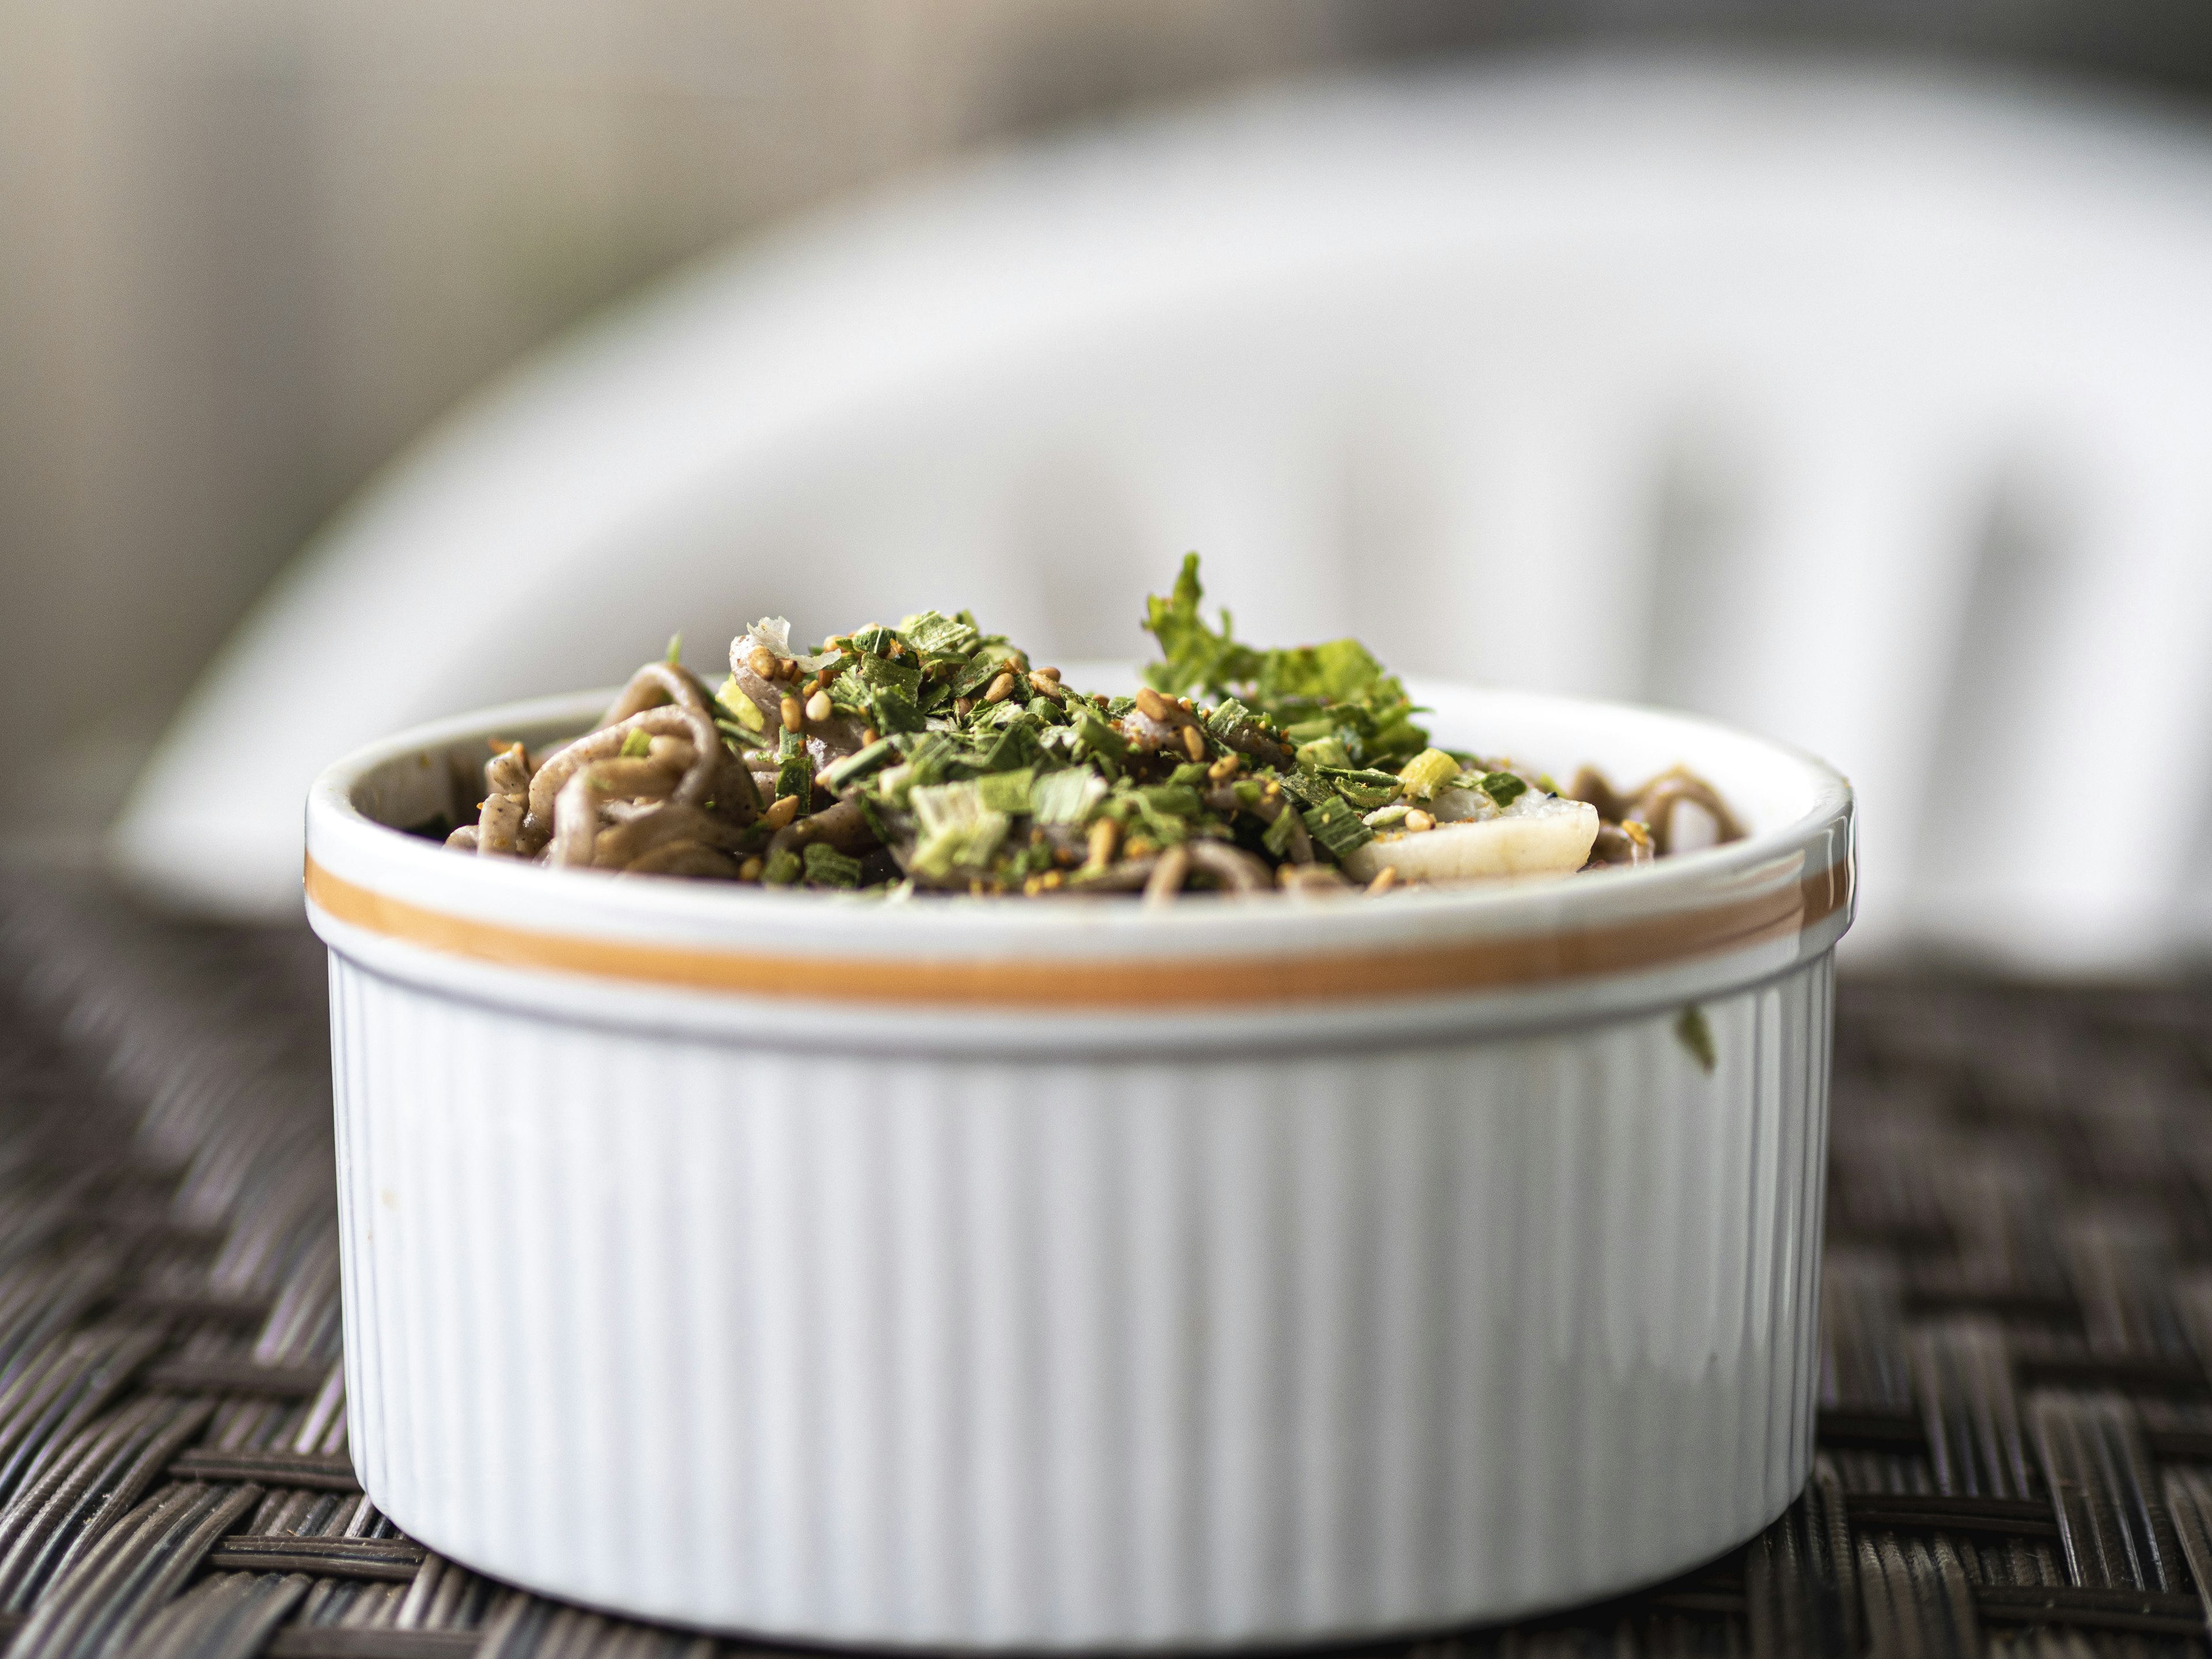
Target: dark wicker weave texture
<point>2016,1426</point>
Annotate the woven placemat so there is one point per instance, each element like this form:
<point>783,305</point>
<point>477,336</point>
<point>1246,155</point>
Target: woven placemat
<point>2015,1432</point>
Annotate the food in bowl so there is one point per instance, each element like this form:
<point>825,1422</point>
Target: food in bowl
<point>933,758</point>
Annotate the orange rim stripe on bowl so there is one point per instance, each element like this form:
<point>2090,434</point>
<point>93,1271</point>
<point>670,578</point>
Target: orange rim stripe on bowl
<point>1186,983</point>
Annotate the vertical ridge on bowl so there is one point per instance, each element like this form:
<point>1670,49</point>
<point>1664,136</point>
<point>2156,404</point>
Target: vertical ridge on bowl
<point>1007,1351</point>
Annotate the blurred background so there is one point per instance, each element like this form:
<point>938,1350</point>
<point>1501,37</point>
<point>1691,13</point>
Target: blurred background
<point>255,253</point>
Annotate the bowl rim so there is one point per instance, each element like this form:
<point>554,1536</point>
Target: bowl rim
<point>1790,884</point>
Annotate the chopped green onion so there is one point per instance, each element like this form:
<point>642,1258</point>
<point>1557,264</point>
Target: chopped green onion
<point>1426,773</point>
<point>828,868</point>
<point>636,743</point>
<point>1365,789</point>
<point>1503,788</point>
<point>1065,797</point>
<point>959,832</point>
<point>938,634</point>
<point>783,869</point>
<point>1015,748</point>
<point>794,771</point>
<point>901,674</point>
<point>741,707</point>
<point>982,668</point>
<point>1337,826</point>
<point>838,773</point>
<point>1099,738</point>
<point>1325,751</point>
<point>1174,800</point>
<point>1006,791</point>
<point>895,711</point>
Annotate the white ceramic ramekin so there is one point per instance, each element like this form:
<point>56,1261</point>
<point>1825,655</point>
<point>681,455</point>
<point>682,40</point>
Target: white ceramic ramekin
<point>1001,1274</point>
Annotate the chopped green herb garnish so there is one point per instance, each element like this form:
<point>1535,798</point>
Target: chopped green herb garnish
<point>1426,773</point>
<point>940,635</point>
<point>1503,788</point>
<point>1006,791</point>
<point>794,771</point>
<point>1317,692</point>
<point>952,760</point>
<point>828,868</point>
<point>857,765</point>
<point>1336,826</point>
<point>1696,1035</point>
<point>895,711</point>
<point>1367,789</point>
<point>742,709</point>
<point>1065,797</point>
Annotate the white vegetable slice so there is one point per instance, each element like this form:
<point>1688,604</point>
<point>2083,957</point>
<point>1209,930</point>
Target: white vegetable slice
<point>1538,835</point>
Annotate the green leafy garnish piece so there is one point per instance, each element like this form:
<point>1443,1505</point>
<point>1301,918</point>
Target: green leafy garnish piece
<point>859,764</point>
<point>675,656</point>
<point>1015,748</point>
<point>1066,796</point>
<point>636,744</point>
<point>1175,800</point>
<point>1337,826</point>
<point>1194,657</point>
<point>794,770</point>
<point>904,673</point>
<point>1097,737</point>
<point>1335,688</point>
<point>828,868</point>
<point>1366,790</point>
<point>1006,791</point>
<point>895,711</point>
<point>1503,788</point>
<point>982,668</point>
<point>1326,751</point>
<point>741,708</point>
<point>1426,773</point>
<point>958,831</point>
<point>1695,1035</point>
<point>939,636</point>
<point>782,868</point>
